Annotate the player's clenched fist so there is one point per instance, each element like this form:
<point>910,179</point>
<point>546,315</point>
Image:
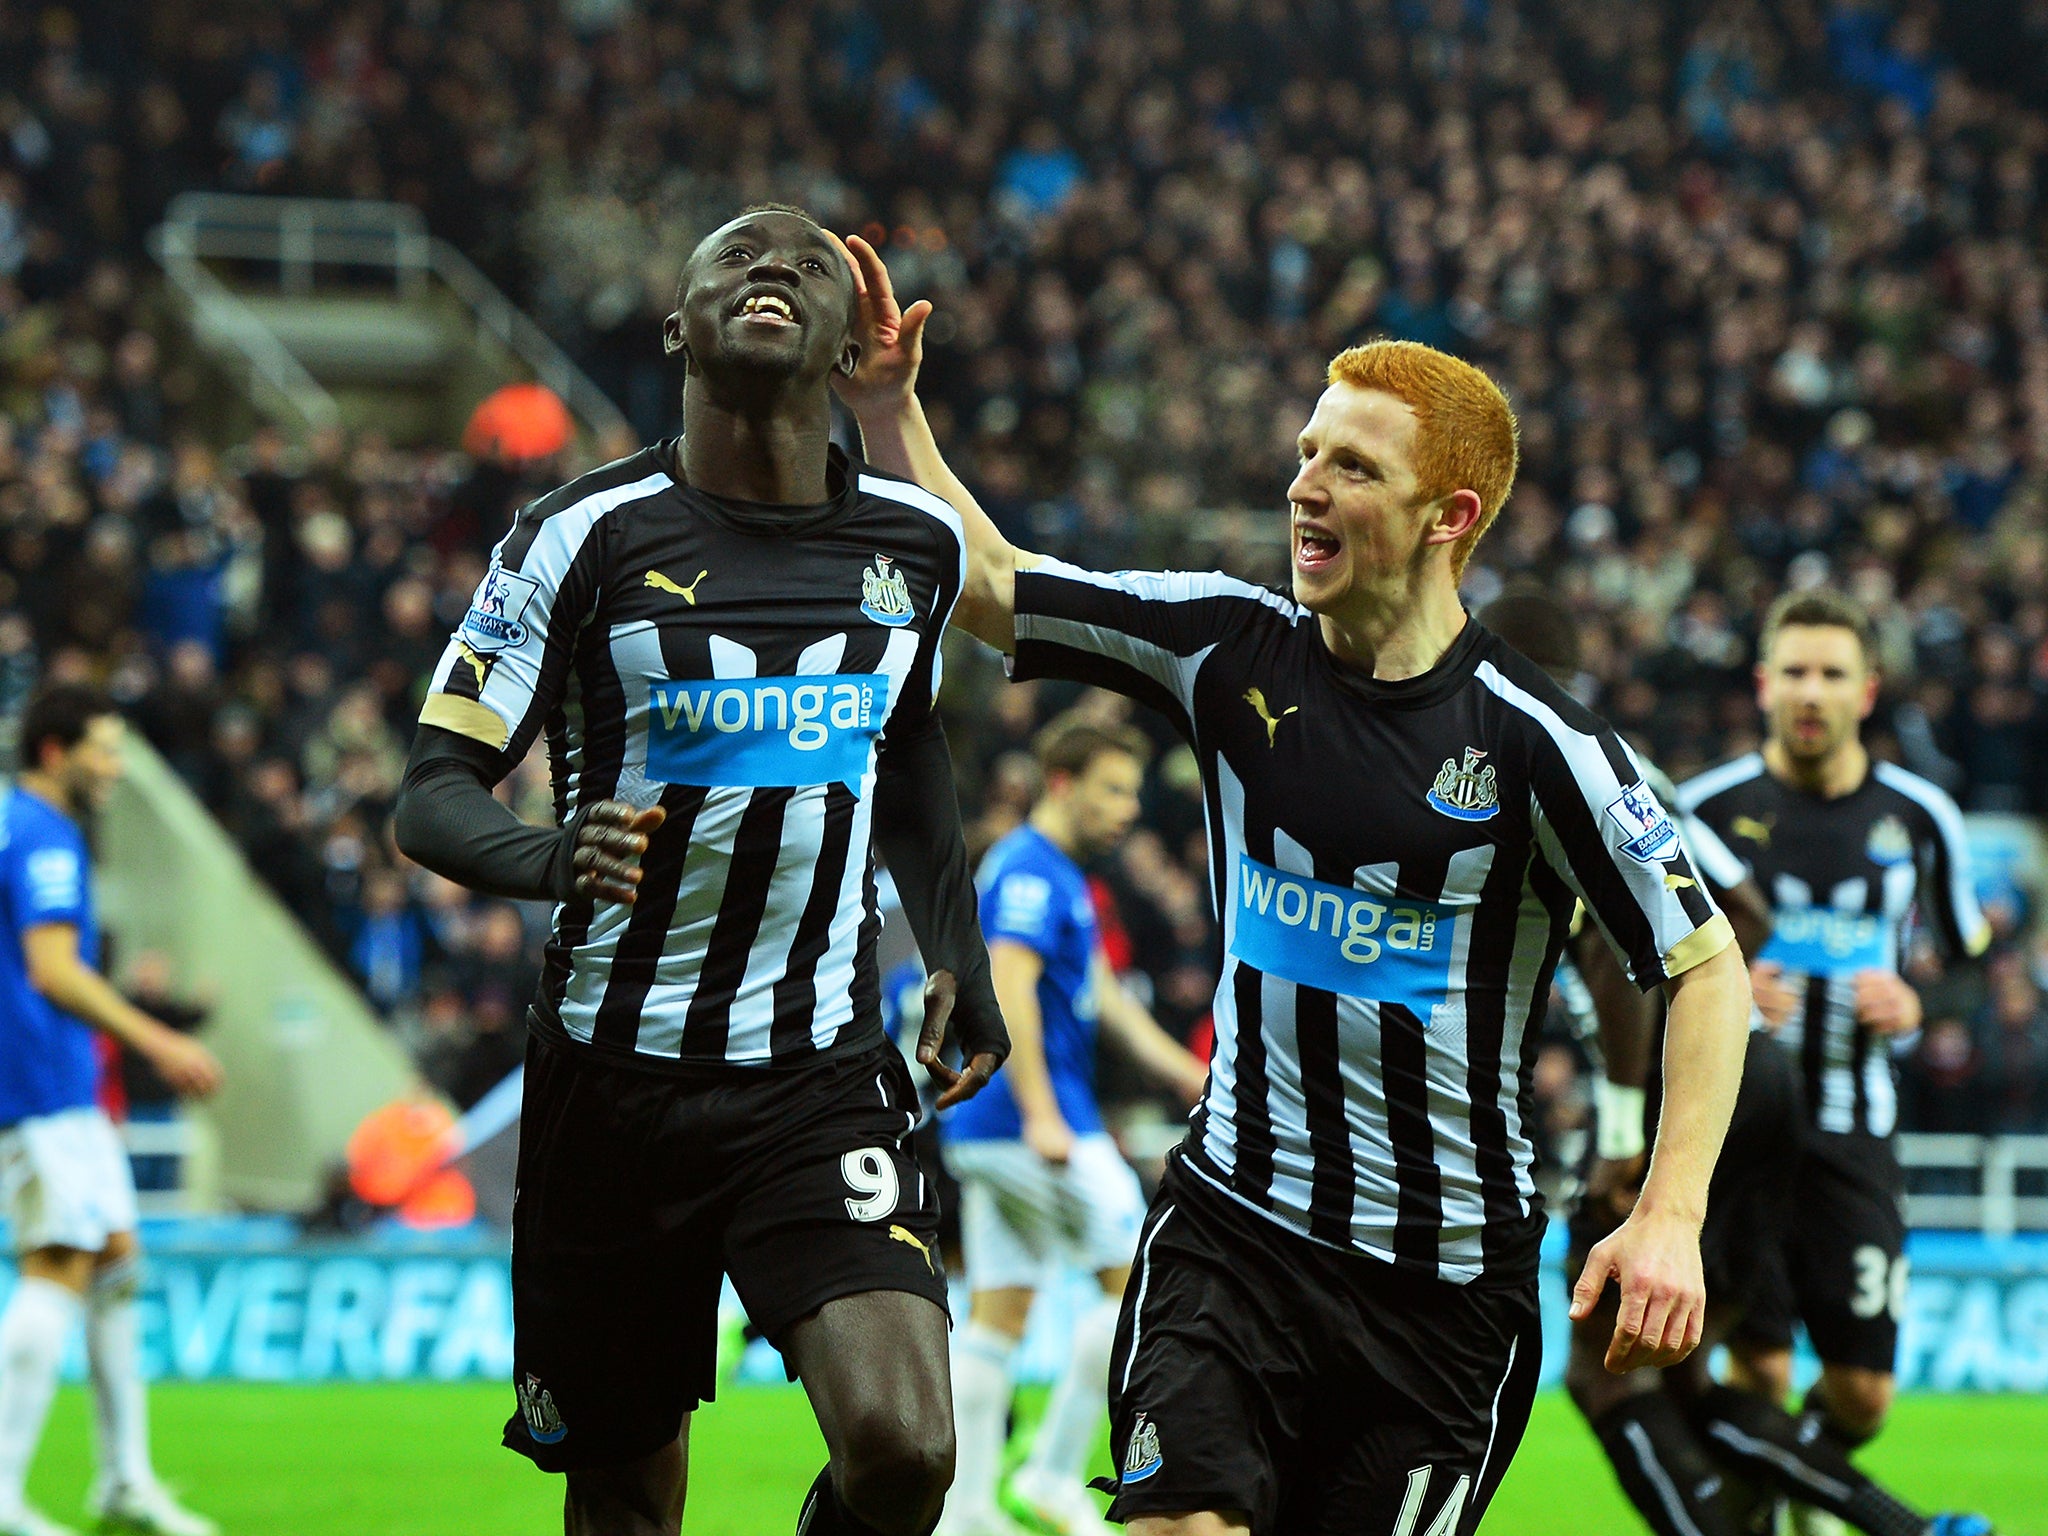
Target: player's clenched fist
<point>609,840</point>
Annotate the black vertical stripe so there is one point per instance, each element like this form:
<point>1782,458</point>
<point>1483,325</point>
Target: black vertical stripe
<point>600,700</point>
<point>1332,1177</point>
<point>1252,1174</point>
<point>755,847</point>
<point>796,994</point>
<point>1404,1070</point>
<point>1813,1043</point>
<point>866,991</point>
<point>639,949</point>
<point>1488,964</point>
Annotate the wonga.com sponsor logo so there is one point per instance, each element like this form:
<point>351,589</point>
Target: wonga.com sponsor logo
<point>1338,939</point>
<point>788,731</point>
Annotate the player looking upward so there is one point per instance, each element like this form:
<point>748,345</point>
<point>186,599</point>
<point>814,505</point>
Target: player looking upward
<point>1658,1428</point>
<point>69,1191</point>
<point>732,642</point>
<point>1042,1183</point>
<point>1848,852</point>
<point>1333,1319</point>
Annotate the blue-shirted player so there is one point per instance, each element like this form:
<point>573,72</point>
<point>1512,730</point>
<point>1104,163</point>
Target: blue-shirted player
<point>1041,1181</point>
<point>63,1172</point>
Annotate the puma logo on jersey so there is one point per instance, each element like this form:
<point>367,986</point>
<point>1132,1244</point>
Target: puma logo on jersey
<point>688,594</point>
<point>905,1235</point>
<point>1257,699</point>
<point>1758,832</point>
<point>1677,883</point>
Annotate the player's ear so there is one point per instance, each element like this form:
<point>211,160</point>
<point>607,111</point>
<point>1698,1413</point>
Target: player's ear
<point>1456,516</point>
<point>849,360</point>
<point>672,336</point>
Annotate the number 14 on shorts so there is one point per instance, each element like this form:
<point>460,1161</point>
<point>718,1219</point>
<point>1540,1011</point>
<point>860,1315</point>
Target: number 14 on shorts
<point>1446,1521</point>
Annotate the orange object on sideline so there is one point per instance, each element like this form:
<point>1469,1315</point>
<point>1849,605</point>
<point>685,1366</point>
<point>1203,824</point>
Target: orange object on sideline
<point>445,1200</point>
<point>519,422</point>
<point>395,1151</point>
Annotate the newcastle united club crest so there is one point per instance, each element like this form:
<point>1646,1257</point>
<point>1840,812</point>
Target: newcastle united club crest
<point>1466,793</point>
<point>884,594</point>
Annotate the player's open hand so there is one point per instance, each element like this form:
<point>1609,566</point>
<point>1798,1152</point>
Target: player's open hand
<point>1656,1258</point>
<point>1776,1001</point>
<point>1886,1003</point>
<point>191,1070</point>
<point>983,1057</point>
<point>610,839</point>
<point>891,338</point>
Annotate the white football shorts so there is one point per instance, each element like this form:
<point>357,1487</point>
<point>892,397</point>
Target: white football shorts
<point>1022,1217</point>
<point>65,1181</point>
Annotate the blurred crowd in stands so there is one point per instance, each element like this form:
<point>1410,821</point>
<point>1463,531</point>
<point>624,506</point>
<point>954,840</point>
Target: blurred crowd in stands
<point>1767,281</point>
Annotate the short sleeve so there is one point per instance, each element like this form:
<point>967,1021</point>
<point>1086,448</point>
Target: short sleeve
<point>1144,634</point>
<point>48,879</point>
<point>507,663</point>
<point>1602,829</point>
<point>1020,906</point>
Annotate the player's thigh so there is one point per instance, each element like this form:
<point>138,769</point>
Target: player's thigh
<point>615,1267</point>
<point>1104,1191</point>
<point>1205,1381</point>
<point>874,1366</point>
<point>835,1203</point>
<point>1846,1256</point>
<point>1207,1522</point>
<point>1009,1214</point>
<point>1417,1445</point>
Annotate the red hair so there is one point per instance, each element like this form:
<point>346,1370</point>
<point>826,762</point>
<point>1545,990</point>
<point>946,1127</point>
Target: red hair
<point>1466,438</point>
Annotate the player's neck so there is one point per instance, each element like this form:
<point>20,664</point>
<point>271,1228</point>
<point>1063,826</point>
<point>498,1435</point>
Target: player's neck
<point>770,450</point>
<point>1399,633</point>
<point>1052,822</point>
<point>46,789</point>
<point>1831,776</point>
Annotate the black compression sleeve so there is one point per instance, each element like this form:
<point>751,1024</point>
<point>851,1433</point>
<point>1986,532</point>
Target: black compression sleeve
<point>448,820</point>
<point>917,829</point>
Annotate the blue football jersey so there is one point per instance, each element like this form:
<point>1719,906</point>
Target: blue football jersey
<point>1035,895</point>
<point>47,1060</point>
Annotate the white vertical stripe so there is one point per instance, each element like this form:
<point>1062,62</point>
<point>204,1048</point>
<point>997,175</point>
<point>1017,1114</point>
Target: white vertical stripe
<point>1493,1416</point>
<point>702,891</point>
<point>1447,1033</point>
<point>1376,1193</point>
<point>750,1031</point>
<point>636,658</point>
<point>1144,1286</point>
<point>1667,1492</point>
<point>1219,1139</point>
<point>1294,1162</point>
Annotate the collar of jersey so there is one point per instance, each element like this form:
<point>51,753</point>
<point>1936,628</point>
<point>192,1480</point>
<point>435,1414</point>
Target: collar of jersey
<point>1426,688</point>
<point>770,519</point>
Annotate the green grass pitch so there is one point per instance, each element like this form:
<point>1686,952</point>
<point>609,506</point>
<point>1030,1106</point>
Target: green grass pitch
<point>408,1460</point>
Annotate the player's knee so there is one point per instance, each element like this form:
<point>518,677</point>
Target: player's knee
<point>1858,1401</point>
<point>896,1469</point>
<point>1764,1372</point>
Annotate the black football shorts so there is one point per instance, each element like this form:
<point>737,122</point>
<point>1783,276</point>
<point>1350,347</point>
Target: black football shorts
<point>1322,1393</point>
<point>1840,1267</point>
<point>638,1190</point>
<point>1747,1202</point>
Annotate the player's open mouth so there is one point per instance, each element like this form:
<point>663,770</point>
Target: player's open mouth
<point>765,308</point>
<point>1314,550</point>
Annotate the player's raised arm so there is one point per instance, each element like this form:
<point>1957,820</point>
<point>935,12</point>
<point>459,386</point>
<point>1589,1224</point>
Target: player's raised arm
<point>895,437</point>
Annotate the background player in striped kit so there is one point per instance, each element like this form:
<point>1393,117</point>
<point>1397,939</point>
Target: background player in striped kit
<point>1333,1325</point>
<point>1042,1182</point>
<point>731,640</point>
<point>1849,852</point>
<point>1667,1432</point>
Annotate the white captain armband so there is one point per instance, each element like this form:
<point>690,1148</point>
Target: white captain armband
<point>1618,1120</point>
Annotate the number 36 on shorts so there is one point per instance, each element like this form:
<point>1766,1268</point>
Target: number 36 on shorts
<point>1880,1283</point>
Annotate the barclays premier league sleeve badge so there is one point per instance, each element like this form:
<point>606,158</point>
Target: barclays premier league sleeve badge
<point>493,621</point>
<point>1648,836</point>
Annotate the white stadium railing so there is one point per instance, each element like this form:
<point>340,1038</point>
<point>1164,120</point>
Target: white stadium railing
<point>1996,1200</point>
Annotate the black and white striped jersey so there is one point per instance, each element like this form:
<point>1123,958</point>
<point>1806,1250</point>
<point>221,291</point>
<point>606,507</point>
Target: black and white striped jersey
<point>1844,877</point>
<point>1396,867</point>
<point>742,667</point>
